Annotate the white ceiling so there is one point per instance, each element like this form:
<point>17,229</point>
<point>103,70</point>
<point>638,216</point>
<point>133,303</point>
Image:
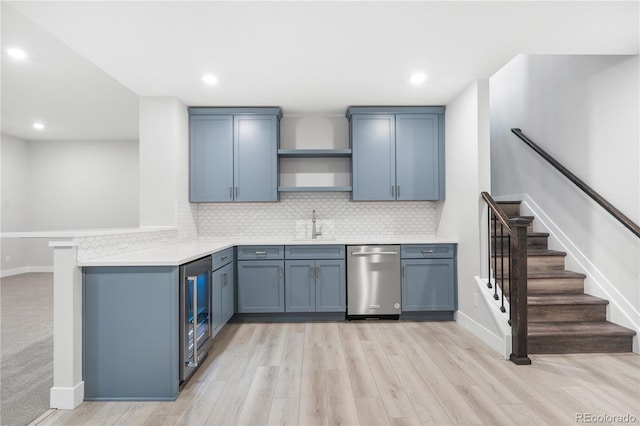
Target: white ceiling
<point>307,57</point>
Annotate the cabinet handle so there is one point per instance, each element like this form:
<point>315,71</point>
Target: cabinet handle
<point>231,192</point>
<point>223,258</point>
<point>261,253</point>
<point>427,251</point>
<point>392,191</point>
<point>224,280</point>
<point>194,303</point>
<point>281,272</point>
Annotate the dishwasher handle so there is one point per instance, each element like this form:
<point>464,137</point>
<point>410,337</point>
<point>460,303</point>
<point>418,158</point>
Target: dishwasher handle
<point>372,253</point>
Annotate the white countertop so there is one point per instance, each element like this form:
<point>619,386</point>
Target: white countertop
<point>177,254</point>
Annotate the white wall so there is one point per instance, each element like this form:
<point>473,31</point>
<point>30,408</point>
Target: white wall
<point>584,111</point>
<point>462,215</point>
<point>164,159</point>
<point>60,185</point>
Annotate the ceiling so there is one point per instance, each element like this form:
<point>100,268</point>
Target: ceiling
<point>89,61</point>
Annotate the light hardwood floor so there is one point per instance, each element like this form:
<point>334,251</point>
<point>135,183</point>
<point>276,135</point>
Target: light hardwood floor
<point>378,373</point>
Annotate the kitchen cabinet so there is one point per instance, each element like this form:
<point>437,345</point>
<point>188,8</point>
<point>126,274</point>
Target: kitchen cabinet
<point>429,277</point>
<point>223,292</point>
<point>233,154</point>
<point>315,279</point>
<point>131,333</point>
<point>397,153</point>
<point>260,282</point>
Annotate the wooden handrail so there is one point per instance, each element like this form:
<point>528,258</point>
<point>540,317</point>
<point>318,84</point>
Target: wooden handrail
<point>496,210</point>
<point>621,217</point>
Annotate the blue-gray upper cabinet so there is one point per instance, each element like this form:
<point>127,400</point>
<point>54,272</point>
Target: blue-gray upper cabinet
<point>233,154</point>
<point>398,153</point>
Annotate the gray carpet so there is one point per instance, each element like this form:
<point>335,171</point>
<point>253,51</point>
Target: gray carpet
<point>26,352</point>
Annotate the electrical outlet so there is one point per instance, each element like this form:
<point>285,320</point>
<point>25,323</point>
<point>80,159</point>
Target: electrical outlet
<point>7,259</point>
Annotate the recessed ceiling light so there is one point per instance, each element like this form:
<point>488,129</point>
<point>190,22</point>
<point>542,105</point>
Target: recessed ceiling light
<point>210,79</point>
<point>38,126</point>
<point>16,53</point>
<point>418,78</point>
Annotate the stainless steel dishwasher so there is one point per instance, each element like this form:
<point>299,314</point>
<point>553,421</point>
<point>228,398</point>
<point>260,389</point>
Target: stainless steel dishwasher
<point>373,281</point>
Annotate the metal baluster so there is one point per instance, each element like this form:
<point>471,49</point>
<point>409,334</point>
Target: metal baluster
<point>502,309</point>
<point>489,248</point>
<point>495,256</point>
<point>510,276</point>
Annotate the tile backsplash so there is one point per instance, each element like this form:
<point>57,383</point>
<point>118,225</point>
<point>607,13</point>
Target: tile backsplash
<point>336,213</point>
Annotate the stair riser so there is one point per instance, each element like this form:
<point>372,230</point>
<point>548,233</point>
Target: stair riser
<point>534,263</point>
<point>579,344</point>
<point>552,286</point>
<point>563,313</point>
<point>510,209</point>
<point>533,242</point>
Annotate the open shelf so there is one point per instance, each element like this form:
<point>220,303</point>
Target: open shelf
<point>293,153</point>
<point>314,189</point>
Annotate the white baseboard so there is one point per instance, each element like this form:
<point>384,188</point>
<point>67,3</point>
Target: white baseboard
<point>497,343</point>
<point>66,398</point>
<point>25,270</point>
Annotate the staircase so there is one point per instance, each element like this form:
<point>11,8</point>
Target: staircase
<point>562,318</point>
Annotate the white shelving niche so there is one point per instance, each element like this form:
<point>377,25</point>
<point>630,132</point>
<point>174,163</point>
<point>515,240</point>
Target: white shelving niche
<point>314,154</point>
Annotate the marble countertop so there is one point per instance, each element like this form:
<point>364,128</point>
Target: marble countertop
<point>179,253</point>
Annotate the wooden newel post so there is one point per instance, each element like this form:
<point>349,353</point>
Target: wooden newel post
<point>518,308</point>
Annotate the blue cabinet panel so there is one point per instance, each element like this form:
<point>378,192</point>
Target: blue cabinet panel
<point>417,157</point>
<point>130,333</point>
<point>228,292</point>
<point>300,286</point>
<point>428,285</point>
<point>211,158</point>
<point>314,252</point>
<point>331,286</point>
<point>423,251</point>
<point>260,252</point>
<point>260,286</point>
<point>374,157</point>
<point>256,158</point>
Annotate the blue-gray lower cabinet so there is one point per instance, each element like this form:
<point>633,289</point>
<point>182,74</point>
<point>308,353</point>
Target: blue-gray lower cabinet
<point>315,285</point>
<point>428,285</point>
<point>223,295</point>
<point>130,333</point>
<point>260,286</point>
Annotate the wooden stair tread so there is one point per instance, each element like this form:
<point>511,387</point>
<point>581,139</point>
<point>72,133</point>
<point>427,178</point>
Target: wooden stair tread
<point>566,299</point>
<point>551,273</point>
<point>578,329</point>
<point>529,234</point>
<point>541,252</point>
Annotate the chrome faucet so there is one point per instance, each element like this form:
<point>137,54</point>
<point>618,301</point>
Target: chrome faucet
<point>315,232</point>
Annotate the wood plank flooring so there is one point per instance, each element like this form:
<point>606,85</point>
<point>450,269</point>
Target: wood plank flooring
<point>377,373</point>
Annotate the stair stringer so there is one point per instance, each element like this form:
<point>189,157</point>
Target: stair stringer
<point>620,310</point>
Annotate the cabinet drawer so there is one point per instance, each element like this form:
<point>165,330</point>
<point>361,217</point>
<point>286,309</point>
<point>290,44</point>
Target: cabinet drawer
<point>260,252</point>
<point>425,251</point>
<point>221,258</point>
<point>314,252</point>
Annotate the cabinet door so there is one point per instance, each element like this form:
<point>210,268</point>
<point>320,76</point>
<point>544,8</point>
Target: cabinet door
<point>227,293</point>
<point>417,157</point>
<point>256,158</point>
<point>428,285</point>
<point>373,157</point>
<point>210,158</point>
<point>217,322</point>
<point>331,290</point>
<point>260,286</point>
<point>300,288</point>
